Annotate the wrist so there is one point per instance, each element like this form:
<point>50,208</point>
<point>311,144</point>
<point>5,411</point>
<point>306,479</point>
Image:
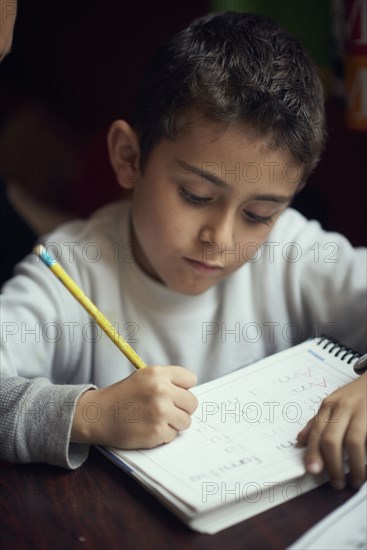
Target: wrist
<point>82,428</point>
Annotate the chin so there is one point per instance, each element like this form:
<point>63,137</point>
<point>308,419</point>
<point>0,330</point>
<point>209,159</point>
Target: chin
<point>190,290</point>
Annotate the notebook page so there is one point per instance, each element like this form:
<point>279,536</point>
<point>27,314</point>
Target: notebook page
<point>346,527</point>
<point>242,437</point>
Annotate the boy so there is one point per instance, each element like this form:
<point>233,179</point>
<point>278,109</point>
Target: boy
<point>205,268</point>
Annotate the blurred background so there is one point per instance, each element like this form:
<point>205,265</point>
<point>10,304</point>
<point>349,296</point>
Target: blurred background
<point>75,67</point>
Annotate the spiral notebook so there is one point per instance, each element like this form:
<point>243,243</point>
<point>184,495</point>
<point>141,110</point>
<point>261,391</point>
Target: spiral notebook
<point>239,456</point>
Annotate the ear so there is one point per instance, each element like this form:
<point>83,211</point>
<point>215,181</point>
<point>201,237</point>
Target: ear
<point>124,152</point>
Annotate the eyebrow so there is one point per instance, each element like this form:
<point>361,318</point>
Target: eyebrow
<point>209,176</point>
<point>272,198</point>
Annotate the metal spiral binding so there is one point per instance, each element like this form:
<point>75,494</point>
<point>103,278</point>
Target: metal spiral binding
<point>337,349</point>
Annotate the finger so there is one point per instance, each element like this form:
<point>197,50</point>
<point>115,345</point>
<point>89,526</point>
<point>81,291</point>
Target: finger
<point>185,400</point>
<point>179,420</point>
<point>165,435</point>
<point>182,377</point>
<point>313,457</point>
<point>332,450</point>
<point>302,436</point>
<point>355,444</point>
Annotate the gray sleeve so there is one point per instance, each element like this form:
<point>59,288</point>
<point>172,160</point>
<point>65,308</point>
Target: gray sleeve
<point>36,420</point>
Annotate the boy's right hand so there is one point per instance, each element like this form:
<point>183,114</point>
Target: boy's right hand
<point>144,410</point>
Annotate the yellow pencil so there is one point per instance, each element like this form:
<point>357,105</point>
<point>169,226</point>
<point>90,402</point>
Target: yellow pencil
<point>100,319</point>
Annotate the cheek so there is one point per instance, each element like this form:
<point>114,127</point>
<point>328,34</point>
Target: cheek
<point>248,242</point>
<point>173,229</point>
<point>253,233</point>
<point>263,233</point>
<point>158,223</point>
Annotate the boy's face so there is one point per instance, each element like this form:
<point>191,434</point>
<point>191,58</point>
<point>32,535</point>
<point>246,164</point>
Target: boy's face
<point>206,202</point>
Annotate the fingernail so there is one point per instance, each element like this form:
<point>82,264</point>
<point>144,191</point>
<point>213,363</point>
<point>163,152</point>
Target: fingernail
<point>314,468</point>
<point>338,484</point>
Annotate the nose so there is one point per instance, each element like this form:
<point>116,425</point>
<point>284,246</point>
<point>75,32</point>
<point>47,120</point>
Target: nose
<point>218,230</point>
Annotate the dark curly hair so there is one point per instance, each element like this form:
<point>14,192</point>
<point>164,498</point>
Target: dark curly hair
<point>234,67</point>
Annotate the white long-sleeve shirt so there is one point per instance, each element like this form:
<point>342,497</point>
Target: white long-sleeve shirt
<point>303,281</point>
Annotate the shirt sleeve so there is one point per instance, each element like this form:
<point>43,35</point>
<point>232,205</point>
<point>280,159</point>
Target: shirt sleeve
<point>324,278</point>
<point>36,421</point>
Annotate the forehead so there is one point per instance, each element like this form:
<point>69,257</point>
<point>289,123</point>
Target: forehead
<point>232,153</point>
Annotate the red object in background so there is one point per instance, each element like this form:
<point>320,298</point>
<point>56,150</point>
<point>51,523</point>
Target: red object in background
<point>356,63</point>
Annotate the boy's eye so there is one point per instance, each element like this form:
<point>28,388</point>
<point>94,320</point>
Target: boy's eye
<point>254,218</point>
<point>192,199</point>
<point>198,200</point>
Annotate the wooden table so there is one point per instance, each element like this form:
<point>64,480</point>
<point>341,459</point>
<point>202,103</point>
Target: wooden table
<point>99,506</point>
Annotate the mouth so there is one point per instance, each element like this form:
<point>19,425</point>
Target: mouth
<point>203,267</point>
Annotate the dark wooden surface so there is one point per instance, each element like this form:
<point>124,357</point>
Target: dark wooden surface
<point>99,506</point>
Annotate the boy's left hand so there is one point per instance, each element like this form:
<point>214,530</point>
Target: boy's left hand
<point>341,423</point>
